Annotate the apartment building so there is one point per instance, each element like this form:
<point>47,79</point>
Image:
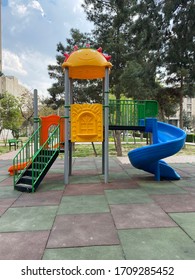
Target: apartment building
<point>11,85</point>
<point>189,108</point>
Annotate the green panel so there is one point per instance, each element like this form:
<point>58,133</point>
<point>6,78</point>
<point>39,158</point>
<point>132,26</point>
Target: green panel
<point>130,112</point>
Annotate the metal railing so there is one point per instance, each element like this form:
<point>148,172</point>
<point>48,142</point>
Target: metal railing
<point>24,157</point>
<point>45,154</point>
<point>36,157</point>
<point>131,112</point>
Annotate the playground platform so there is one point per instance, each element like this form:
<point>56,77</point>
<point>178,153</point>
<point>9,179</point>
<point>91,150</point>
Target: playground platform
<point>131,217</point>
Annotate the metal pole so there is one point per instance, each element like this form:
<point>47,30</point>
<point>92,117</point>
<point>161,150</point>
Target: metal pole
<point>70,143</point>
<point>36,119</point>
<point>106,125</point>
<point>66,146</point>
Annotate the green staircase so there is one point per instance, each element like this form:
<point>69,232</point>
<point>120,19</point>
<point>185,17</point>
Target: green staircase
<point>38,160</point>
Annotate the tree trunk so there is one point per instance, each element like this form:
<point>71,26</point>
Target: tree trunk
<point>118,143</point>
<point>181,104</point>
<point>181,110</point>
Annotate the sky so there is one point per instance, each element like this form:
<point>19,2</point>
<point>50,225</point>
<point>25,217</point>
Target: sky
<point>31,30</point>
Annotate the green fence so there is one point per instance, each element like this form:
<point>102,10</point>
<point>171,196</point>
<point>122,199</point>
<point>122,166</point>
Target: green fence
<point>131,112</point>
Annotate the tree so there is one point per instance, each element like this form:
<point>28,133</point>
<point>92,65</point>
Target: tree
<point>27,111</point>
<point>83,91</point>
<point>11,118</point>
<point>168,100</point>
<point>111,21</point>
<point>146,33</point>
<point>179,51</point>
<point>138,81</point>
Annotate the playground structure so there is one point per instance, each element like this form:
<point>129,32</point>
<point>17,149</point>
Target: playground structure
<point>91,123</point>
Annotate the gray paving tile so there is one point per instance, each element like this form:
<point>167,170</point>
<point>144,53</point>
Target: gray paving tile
<point>157,244</point>
<point>23,245</point>
<point>28,218</point>
<point>83,204</point>
<point>83,230</point>
<point>140,216</point>
<point>85,253</point>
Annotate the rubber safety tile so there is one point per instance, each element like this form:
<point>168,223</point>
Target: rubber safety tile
<point>3,177</point>
<point>123,184</point>
<point>83,204</point>
<point>85,253</point>
<point>7,182</point>
<point>185,183</point>
<point>186,221</point>
<point>83,230</point>
<point>140,216</point>
<point>85,179</point>
<point>39,198</point>
<point>52,185</point>
<point>161,187</point>
<point>127,196</point>
<point>8,192</point>
<point>84,189</point>
<point>118,176</point>
<point>28,219</point>
<point>175,202</point>
<point>23,245</point>
<point>5,204</point>
<point>53,177</point>
<point>157,244</point>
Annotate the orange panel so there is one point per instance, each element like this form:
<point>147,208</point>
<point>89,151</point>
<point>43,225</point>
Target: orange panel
<point>48,121</point>
<point>86,123</point>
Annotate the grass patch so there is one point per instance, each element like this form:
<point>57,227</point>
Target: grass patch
<point>86,150</point>
<point>4,149</point>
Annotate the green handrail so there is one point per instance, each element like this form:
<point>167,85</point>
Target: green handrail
<point>25,155</point>
<point>44,155</point>
<point>36,157</point>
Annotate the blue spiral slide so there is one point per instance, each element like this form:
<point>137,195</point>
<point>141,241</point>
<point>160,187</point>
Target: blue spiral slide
<point>167,141</point>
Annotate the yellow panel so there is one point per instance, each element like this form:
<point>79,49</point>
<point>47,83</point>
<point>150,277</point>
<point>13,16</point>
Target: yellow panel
<point>86,123</point>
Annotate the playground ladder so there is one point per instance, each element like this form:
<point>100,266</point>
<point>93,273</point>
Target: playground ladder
<point>38,160</point>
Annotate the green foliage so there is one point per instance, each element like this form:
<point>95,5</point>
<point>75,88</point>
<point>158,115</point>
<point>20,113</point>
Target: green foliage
<point>83,91</point>
<point>138,81</point>
<point>111,21</point>
<point>152,47</point>
<point>11,117</point>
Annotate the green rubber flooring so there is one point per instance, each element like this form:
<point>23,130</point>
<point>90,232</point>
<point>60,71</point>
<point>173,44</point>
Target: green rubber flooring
<point>130,217</point>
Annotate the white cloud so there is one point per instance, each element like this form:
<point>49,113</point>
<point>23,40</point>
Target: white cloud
<point>30,68</point>
<point>37,6</point>
<point>12,63</point>
<point>29,42</point>
<point>24,9</point>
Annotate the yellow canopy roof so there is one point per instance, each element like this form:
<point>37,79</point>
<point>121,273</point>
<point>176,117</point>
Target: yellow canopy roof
<point>86,64</point>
